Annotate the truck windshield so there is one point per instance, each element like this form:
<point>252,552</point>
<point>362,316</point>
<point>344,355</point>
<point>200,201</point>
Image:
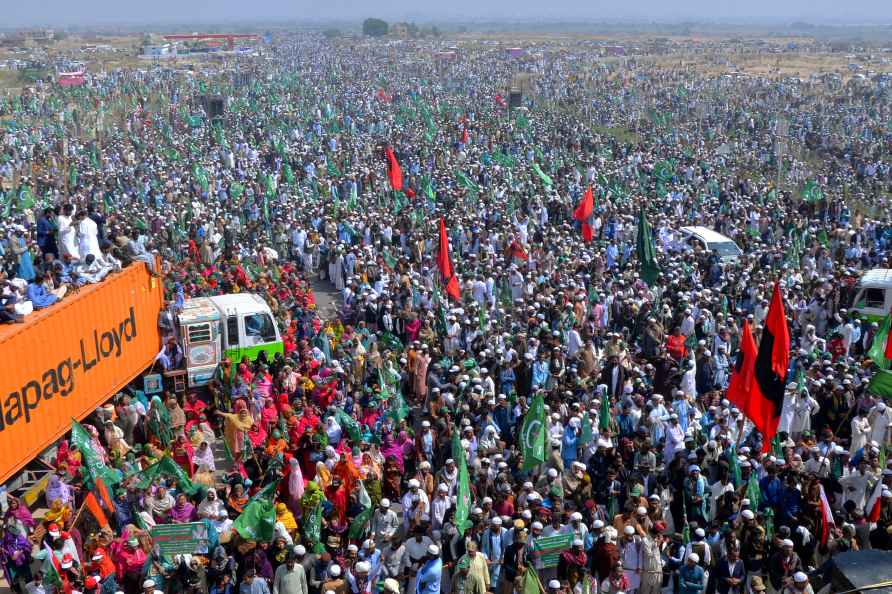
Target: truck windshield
<point>260,327</point>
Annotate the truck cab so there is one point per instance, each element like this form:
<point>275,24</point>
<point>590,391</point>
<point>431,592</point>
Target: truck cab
<point>225,326</point>
<point>873,300</point>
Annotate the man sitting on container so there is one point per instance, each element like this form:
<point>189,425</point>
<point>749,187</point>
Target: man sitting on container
<point>40,296</point>
<point>171,356</point>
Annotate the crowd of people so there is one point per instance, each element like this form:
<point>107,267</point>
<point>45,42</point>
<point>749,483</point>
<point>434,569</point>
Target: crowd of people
<point>386,448</point>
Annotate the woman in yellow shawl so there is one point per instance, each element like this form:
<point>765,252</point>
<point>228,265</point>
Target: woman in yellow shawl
<point>323,475</point>
<point>284,515</point>
<point>234,427</point>
<point>58,513</point>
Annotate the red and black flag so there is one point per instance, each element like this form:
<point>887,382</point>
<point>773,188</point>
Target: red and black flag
<point>444,264</point>
<point>394,173</point>
<point>759,377</point>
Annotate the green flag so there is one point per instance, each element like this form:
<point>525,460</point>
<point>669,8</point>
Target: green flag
<point>464,181</point>
<point>72,176</point>
<point>332,169</point>
<point>313,528</point>
<point>258,521</point>
<point>585,432</point>
<point>811,192</point>
<point>166,467</point>
<point>288,173</point>
<point>881,384</point>
<point>49,569</point>
<point>753,492</point>
<point>735,466</point>
<point>463,495</point>
<point>94,465</point>
<point>267,492</point>
<point>532,435</point>
<point>647,257</point>
<point>200,176</point>
<point>877,352</point>
<point>604,420</point>
<point>531,582</point>
<point>236,190</point>
<point>545,179</point>
<point>349,425</point>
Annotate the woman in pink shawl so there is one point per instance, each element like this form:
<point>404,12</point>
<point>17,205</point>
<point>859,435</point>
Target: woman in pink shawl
<point>263,383</point>
<point>412,328</point>
<point>257,436</point>
<point>295,485</point>
<point>183,511</point>
<point>393,448</point>
<point>269,414</point>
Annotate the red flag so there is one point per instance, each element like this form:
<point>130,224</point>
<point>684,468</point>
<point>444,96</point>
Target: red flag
<point>740,385</point>
<point>93,505</point>
<point>757,383</point>
<point>776,324</point>
<point>445,265</point>
<point>394,173</point>
<point>584,211</point>
<point>464,136</point>
<point>888,351</point>
<point>826,516</point>
<point>515,250</point>
<point>872,509</point>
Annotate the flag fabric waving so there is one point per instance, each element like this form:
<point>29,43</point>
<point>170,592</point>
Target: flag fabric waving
<point>881,349</point>
<point>584,212</point>
<point>450,281</point>
<point>647,254</point>
<point>826,516</point>
<point>757,383</point>
<point>394,173</point>
<point>532,435</point>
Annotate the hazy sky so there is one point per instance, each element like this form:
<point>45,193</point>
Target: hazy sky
<point>18,12</point>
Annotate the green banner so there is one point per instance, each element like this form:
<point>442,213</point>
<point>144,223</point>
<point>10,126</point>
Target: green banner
<point>175,539</point>
<point>551,547</point>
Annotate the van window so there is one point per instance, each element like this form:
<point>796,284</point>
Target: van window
<point>725,248</point>
<point>874,298</point>
<point>259,328</point>
<point>232,331</point>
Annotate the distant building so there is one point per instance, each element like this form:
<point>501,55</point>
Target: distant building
<point>159,51</point>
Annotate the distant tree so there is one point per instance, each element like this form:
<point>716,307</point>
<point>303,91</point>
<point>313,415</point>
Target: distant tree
<point>332,33</point>
<point>374,27</point>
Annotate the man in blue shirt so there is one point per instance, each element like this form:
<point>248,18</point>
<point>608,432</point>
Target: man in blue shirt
<point>428,578</point>
<point>690,576</point>
<point>251,585</point>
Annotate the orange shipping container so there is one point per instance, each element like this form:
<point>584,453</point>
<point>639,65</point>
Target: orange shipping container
<point>70,358</point>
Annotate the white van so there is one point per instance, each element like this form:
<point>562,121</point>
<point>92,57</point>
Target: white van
<point>712,242</point>
<point>874,297</point>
